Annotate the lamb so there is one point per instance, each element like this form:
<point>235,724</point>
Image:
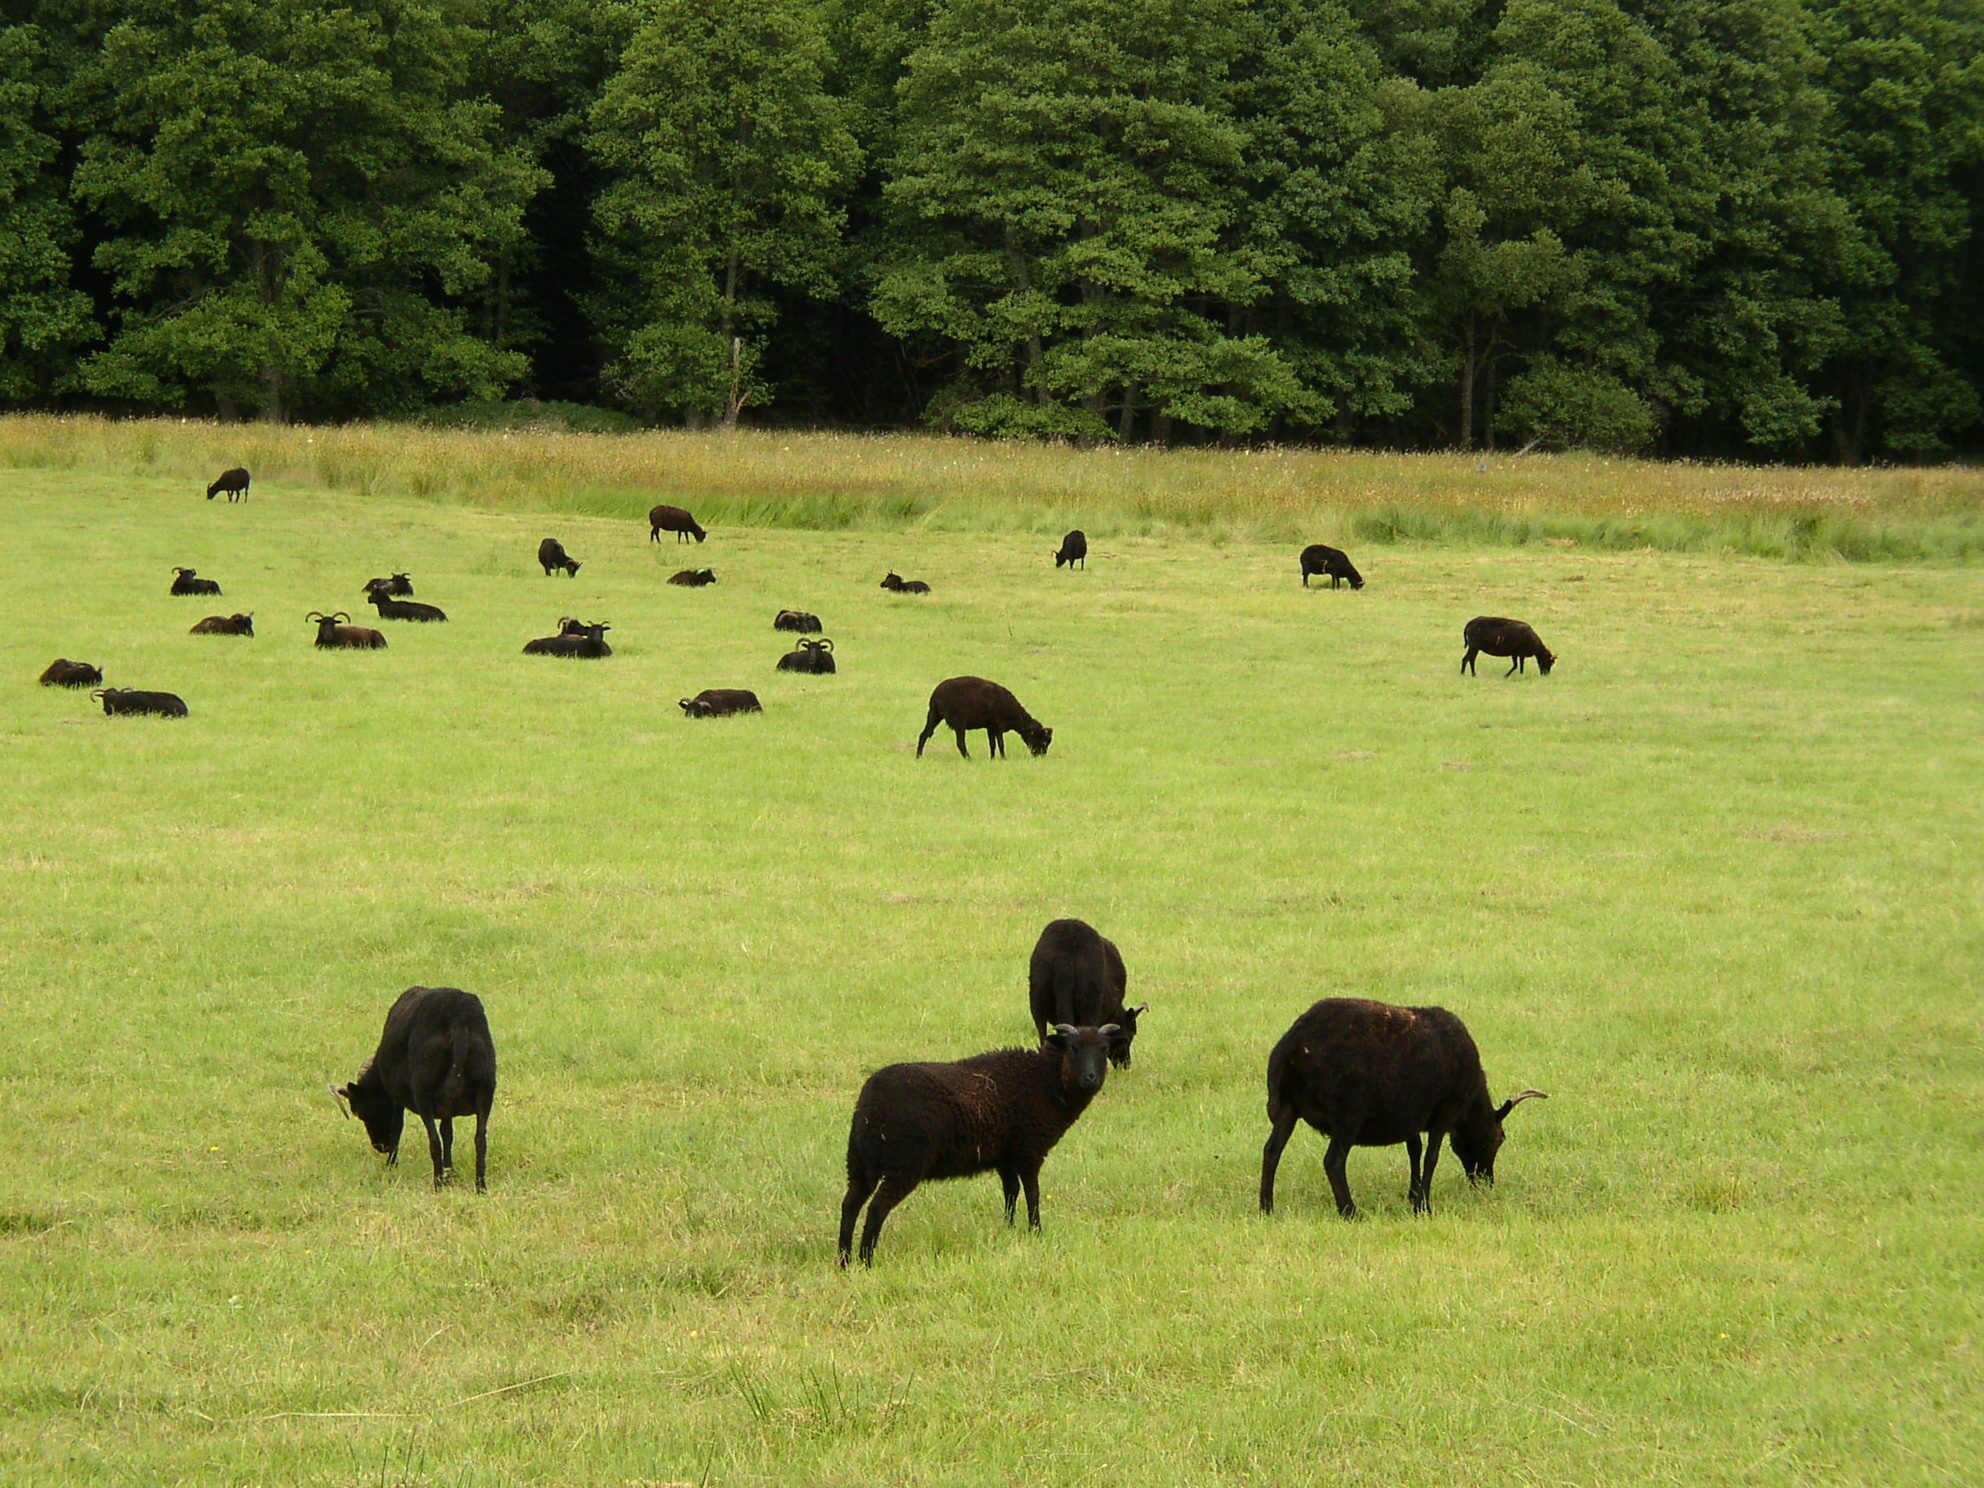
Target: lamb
<point>1077,976</point>
<point>1333,563</point>
<point>898,584</point>
<point>551,554</point>
<point>1001,1111</point>
<point>228,625</point>
<point>184,582</point>
<point>334,635</point>
<point>815,658</point>
<point>797,620</point>
<point>721,702</point>
<point>398,584</point>
<point>63,672</point>
<point>437,1059</point>
<point>1367,1074</point>
<point>404,609</point>
<point>1074,549</point>
<point>1499,637</point>
<point>586,643</point>
<point>673,519</point>
<point>234,482</point>
<point>694,578</point>
<point>967,703</point>
<point>122,701</point>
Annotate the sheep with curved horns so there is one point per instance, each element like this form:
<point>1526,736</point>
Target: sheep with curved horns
<point>814,658</point>
<point>185,581</point>
<point>334,635</point>
<point>721,702</point>
<point>228,625</point>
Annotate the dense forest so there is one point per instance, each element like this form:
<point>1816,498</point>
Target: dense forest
<point>1743,228</point>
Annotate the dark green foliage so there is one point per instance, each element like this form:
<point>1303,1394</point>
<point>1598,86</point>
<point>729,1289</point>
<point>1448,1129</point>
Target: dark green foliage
<point>1702,227</point>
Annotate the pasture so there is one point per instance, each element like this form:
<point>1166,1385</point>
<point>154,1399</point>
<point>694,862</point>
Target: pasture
<point>1713,884</point>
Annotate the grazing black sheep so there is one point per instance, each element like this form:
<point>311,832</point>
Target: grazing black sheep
<point>1333,563</point>
<point>673,519</point>
<point>897,584</point>
<point>1499,637</point>
<point>814,658</point>
<point>404,609</point>
<point>721,702</point>
<point>125,701</point>
<point>399,585</point>
<point>436,1059</point>
<point>586,643</point>
<point>1077,976</point>
<point>694,578</point>
<point>1367,1074</point>
<point>551,555</point>
<point>230,625</point>
<point>334,635</point>
<point>967,703</point>
<point>185,581</point>
<point>999,1112</point>
<point>234,482</point>
<point>1074,549</point>
<point>797,620</point>
<point>63,672</point>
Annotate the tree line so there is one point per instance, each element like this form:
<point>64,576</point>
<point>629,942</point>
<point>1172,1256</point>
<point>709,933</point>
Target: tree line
<point>1741,228</point>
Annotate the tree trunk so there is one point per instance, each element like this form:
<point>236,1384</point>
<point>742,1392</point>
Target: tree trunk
<point>730,277</point>
<point>1467,382</point>
<point>1849,425</point>
<point>1126,419</point>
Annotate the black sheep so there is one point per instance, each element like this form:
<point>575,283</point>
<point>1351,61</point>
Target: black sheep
<point>673,519</point>
<point>399,585</point>
<point>1333,563</point>
<point>1077,976</point>
<point>1074,549</point>
<point>229,625</point>
<point>967,703</point>
<point>129,701</point>
<point>404,609</point>
<point>814,658</point>
<point>436,1059</point>
<point>551,554</point>
<point>1367,1074</point>
<point>1499,637</point>
<point>234,482</point>
<point>185,581</point>
<point>587,643</point>
<point>694,578</point>
<point>334,635</point>
<point>63,672</point>
<point>897,584</point>
<point>721,702</point>
<point>999,1112</point>
<point>797,620</point>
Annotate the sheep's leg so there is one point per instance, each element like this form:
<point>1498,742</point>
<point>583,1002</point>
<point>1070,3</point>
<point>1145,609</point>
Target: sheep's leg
<point>891,1192</point>
<point>1512,669</point>
<point>961,749</point>
<point>1425,1204</point>
<point>434,1149</point>
<point>1031,1178</point>
<point>995,742</point>
<point>448,1142</point>
<point>1009,1180</point>
<point>1284,1127</point>
<point>929,728</point>
<point>1412,1150</point>
<point>1333,1163</point>
<point>482,1150</point>
<point>1305,578</point>
<point>1467,661</point>
<point>858,1190</point>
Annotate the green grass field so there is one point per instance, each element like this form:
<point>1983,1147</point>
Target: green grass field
<point>1714,885</point>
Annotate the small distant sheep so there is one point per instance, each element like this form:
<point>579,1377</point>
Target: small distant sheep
<point>1333,563</point>
<point>551,555</point>
<point>585,643</point>
<point>967,703</point>
<point>334,635</point>
<point>694,578</point>
<point>1074,549</point>
<point>896,583</point>
<point>815,658</point>
<point>436,1059</point>
<point>185,581</point>
<point>1499,637</point>
<point>797,620</point>
<point>404,609</point>
<point>228,625</point>
<point>398,584</point>
<point>721,702</point>
<point>65,673</point>
<point>571,625</point>
<point>673,519</point>
<point>1000,1112</point>
<point>234,482</point>
<point>127,701</point>
<point>1076,976</point>
<point>1367,1074</point>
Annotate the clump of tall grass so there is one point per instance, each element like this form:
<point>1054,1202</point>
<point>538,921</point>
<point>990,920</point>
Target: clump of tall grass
<point>840,481</point>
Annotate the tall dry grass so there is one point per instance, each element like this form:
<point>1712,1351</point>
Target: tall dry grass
<point>830,481</point>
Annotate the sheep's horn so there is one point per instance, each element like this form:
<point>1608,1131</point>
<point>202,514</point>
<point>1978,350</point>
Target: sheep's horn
<point>824,644</point>
<point>341,615</point>
<point>1514,1101</point>
<point>1066,1030</point>
<point>343,1104</point>
<point>1141,1008</point>
<point>1108,1028</point>
<point>314,617</point>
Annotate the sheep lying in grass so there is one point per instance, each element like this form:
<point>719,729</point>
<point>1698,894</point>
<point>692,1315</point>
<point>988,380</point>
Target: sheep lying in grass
<point>586,642</point>
<point>127,701</point>
<point>721,702</point>
<point>185,581</point>
<point>228,625</point>
<point>797,620</point>
<point>399,584</point>
<point>63,672</point>
<point>334,635</point>
<point>404,609</point>
<point>694,578</point>
<point>896,583</point>
<point>814,658</point>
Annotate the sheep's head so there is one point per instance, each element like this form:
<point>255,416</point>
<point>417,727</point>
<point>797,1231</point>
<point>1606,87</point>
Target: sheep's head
<point>245,624</point>
<point>694,707</point>
<point>892,581</point>
<point>1545,659</point>
<point>1356,579</point>
<point>1479,1136</point>
<point>383,1116</point>
<point>1037,736</point>
<point>1084,1054</point>
<point>1126,1032</point>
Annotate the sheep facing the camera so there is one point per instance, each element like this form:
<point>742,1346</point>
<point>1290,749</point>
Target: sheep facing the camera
<point>814,658</point>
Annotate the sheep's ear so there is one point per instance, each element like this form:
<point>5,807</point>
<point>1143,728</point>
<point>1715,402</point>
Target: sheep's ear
<point>339,1096</point>
<point>1057,1036</point>
<point>1516,1100</point>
